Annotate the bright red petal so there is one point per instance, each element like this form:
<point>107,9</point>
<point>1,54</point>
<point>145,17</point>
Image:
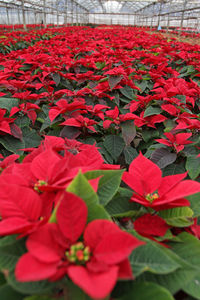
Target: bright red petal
<point>30,269</point>
<point>71,216</point>
<point>96,230</point>
<point>96,285</point>
<point>125,271</point>
<point>165,142</point>
<point>115,247</point>
<point>43,163</point>
<point>17,201</point>
<point>71,122</point>
<point>151,225</point>
<point>145,176</point>
<point>42,246</point>
<point>14,226</point>
<point>182,137</point>
<point>169,182</point>
<point>183,189</point>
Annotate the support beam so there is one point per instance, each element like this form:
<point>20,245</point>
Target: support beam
<point>44,12</point>
<point>23,15</point>
<point>182,16</point>
<point>147,6</point>
<point>18,14</point>
<point>152,17</point>
<point>159,14</point>
<point>7,13</point>
<point>102,7</point>
<point>66,11</point>
<point>168,16</point>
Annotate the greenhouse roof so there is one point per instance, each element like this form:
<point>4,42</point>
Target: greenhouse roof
<point>109,6</point>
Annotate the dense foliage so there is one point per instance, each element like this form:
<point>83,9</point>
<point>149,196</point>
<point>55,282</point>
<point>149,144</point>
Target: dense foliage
<point>100,165</point>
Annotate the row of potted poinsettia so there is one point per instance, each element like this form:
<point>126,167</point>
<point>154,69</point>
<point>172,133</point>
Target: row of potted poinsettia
<point>70,219</point>
<point>77,223</point>
<point>102,88</point>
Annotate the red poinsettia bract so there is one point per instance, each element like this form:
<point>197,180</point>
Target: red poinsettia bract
<point>177,141</point>
<point>153,190</point>
<point>93,262</point>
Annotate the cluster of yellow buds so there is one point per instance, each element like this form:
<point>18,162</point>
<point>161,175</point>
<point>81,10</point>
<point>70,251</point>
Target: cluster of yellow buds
<point>152,197</point>
<point>39,184</point>
<point>78,253</point>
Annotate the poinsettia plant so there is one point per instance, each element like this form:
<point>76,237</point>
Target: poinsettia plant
<point>99,135</point>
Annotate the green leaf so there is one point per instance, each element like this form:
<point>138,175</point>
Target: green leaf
<point>114,144</point>
<point>56,78</point>
<point>127,91</point>
<point>142,85</point>
<point>128,132</point>
<point>186,71</point>
<point>195,204</point>
<point>7,293</point>
<point>70,132</point>
<point>162,157</point>
<point>193,287</point>
<point>174,281</point>
<point>100,65</point>
<point>130,154</point>
<point>47,123</point>
<point>147,290</point>
<point>120,206</point>
<point>12,144</point>
<point>193,166</point>
<point>108,183</point>
<point>150,134</point>
<point>190,150</point>
<point>75,293</point>
<point>150,111</point>
<point>169,125</point>
<point>178,217</point>
<point>10,251</point>
<point>107,157</point>
<point>82,188</point>
<point>36,287</point>
<point>22,121</point>
<point>186,253</point>
<point>150,257</point>
<point>188,249</point>
<point>114,80</point>
<point>8,103</point>
<point>173,169</point>
<point>30,137</point>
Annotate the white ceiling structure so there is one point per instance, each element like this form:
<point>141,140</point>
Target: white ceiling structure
<point>168,10</point>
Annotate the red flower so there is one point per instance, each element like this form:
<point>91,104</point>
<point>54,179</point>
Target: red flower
<point>26,108</point>
<point>176,141</point>
<point>20,209</point>
<point>116,118</point>
<point>7,161</point>
<point>94,263</point>
<point>153,190</point>
<point>5,123</point>
<point>149,121</point>
<point>62,106</point>
<point>151,225</point>
<point>81,122</point>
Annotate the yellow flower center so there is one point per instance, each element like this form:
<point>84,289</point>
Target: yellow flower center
<point>152,197</point>
<point>39,184</point>
<point>78,253</point>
